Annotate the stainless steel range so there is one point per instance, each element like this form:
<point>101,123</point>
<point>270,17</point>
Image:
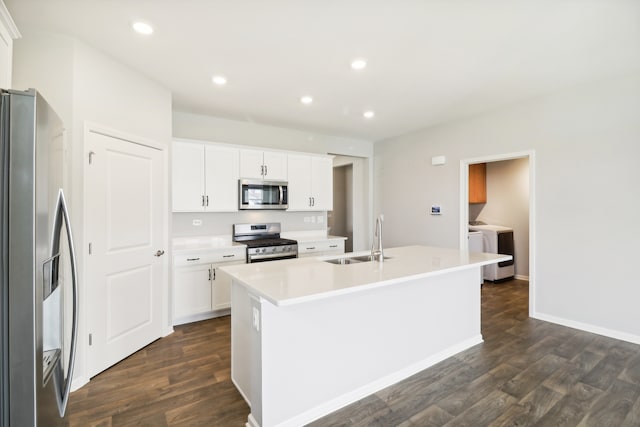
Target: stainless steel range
<point>264,242</point>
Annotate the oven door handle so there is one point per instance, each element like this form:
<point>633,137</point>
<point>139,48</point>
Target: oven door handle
<point>272,256</point>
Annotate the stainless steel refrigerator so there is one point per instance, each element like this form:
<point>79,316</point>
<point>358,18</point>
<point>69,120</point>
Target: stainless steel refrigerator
<point>38,280</point>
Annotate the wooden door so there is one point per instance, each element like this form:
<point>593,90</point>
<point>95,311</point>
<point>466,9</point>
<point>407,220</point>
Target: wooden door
<point>125,220</point>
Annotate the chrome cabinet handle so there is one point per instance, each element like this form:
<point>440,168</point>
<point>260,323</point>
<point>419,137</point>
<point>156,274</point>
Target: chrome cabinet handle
<point>261,170</point>
<point>203,200</point>
<point>311,248</point>
<point>333,246</point>
<point>207,201</point>
<point>159,253</point>
<point>193,259</point>
<point>228,256</point>
<point>266,171</point>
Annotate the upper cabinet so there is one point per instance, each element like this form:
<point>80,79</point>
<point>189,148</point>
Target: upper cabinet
<point>205,177</point>
<point>478,183</point>
<point>267,165</point>
<point>310,183</point>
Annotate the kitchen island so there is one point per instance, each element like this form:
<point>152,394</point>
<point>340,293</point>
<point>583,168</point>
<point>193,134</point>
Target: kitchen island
<point>309,337</point>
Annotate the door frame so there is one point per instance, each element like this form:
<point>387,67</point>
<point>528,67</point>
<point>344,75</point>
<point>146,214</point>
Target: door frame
<point>464,209</point>
<point>85,296</point>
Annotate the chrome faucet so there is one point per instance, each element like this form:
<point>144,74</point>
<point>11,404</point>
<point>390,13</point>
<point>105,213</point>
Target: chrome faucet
<point>377,240</point>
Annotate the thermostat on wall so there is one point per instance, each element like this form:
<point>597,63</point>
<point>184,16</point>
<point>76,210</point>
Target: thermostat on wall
<point>435,210</point>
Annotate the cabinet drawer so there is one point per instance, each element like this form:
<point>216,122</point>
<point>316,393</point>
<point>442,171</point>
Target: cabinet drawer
<point>224,255</point>
<point>322,246</point>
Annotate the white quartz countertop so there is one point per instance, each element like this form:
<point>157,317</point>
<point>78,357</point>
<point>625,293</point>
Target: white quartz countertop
<point>300,280</point>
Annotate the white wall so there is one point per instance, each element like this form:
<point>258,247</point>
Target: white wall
<point>508,205</point>
<point>586,149</point>
<point>215,129</point>
<point>82,84</point>
<point>8,32</point>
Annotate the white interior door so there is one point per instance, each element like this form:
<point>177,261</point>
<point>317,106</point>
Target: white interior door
<point>125,206</point>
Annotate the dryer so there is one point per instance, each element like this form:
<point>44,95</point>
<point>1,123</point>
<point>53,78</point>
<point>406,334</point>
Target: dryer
<point>497,240</point>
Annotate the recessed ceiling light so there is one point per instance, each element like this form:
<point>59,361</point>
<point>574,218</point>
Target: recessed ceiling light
<point>142,28</point>
<point>306,100</point>
<point>359,64</point>
<point>219,80</point>
<point>369,114</point>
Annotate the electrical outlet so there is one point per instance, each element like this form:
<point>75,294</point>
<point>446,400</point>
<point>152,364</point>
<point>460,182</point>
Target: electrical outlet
<point>197,222</point>
<point>307,219</point>
<point>313,219</point>
<point>320,219</point>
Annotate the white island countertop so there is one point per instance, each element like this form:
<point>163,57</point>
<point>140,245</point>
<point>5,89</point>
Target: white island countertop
<point>301,280</point>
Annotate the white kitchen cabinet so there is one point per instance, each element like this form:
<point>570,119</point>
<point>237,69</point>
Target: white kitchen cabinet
<point>310,182</point>
<point>205,177</point>
<point>200,290</point>
<point>267,165</point>
<point>320,247</point>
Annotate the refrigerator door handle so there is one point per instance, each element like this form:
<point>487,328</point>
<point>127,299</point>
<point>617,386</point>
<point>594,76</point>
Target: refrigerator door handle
<point>63,385</point>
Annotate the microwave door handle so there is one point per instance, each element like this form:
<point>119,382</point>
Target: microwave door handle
<point>281,195</point>
<point>63,385</point>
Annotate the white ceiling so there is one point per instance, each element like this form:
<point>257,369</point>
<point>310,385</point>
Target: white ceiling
<point>428,61</point>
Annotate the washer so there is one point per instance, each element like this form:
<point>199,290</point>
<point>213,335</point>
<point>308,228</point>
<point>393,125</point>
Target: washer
<point>497,240</point>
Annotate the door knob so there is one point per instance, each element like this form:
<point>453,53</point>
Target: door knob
<point>159,253</point>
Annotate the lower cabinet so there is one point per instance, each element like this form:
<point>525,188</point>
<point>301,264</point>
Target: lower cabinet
<point>200,291</point>
<point>320,248</point>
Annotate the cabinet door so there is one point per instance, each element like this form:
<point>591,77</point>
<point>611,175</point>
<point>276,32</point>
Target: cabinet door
<point>192,290</point>
<point>222,174</point>
<point>251,164</point>
<point>299,167</point>
<point>478,183</point>
<point>187,171</point>
<point>221,287</point>
<point>322,183</point>
<point>275,166</point>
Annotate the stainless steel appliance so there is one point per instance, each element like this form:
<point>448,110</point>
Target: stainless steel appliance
<point>497,240</point>
<point>38,285</point>
<point>264,242</point>
<point>260,194</point>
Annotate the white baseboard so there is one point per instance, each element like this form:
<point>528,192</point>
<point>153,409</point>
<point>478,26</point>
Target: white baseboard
<point>611,333</point>
<point>375,386</point>
<point>521,277</point>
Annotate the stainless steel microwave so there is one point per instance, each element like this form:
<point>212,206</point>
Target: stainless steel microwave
<point>258,194</point>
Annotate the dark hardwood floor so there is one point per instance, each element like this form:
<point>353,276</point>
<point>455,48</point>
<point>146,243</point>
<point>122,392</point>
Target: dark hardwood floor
<point>527,372</point>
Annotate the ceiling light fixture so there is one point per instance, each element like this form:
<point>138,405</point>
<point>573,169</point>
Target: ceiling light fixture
<point>359,64</point>
<point>142,28</point>
<point>369,114</point>
<point>219,80</point>
<point>306,100</point>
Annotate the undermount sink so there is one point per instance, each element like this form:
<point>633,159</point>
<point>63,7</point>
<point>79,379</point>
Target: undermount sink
<point>354,260</point>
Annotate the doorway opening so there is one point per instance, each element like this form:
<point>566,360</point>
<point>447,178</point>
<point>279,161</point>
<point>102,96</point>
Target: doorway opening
<point>351,202</point>
<point>510,202</point>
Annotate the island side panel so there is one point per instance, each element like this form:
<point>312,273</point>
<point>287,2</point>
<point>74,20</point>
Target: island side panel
<point>321,355</point>
<point>242,349</point>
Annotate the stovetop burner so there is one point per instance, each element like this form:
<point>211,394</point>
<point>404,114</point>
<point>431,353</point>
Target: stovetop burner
<point>264,242</point>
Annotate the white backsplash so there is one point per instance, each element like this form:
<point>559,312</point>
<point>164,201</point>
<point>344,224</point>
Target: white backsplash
<point>216,224</point>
